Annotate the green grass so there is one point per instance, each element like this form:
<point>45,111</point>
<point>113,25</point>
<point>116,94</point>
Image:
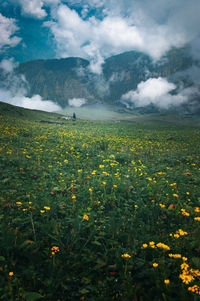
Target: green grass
<point>85,206</point>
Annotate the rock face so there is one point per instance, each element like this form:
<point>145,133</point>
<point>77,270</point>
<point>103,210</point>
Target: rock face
<point>62,79</point>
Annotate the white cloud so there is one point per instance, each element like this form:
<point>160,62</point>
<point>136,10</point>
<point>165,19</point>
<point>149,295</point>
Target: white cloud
<point>36,8</point>
<point>7,31</point>
<point>146,26</point>
<point>35,102</point>
<point>156,91</point>
<point>76,102</point>
<point>13,90</point>
<point>8,65</point>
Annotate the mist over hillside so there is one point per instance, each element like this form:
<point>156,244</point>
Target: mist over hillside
<point>130,79</point>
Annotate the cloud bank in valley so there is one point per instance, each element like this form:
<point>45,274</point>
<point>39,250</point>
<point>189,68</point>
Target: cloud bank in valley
<point>13,90</point>
<point>76,102</point>
<point>157,91</point>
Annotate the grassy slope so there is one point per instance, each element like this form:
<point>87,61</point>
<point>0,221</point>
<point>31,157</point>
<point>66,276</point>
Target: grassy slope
<point>122,177</point>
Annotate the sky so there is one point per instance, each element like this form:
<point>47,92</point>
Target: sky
<point>96,29</point>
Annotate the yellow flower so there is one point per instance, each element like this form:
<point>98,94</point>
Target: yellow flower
<point>155,265</point>
<point>42,211</point>
<point>80,170</point>
<point>184,258</point>
<point>73,197</point>
<point>163,246</point>
<point>85,217</point>
<point>175,255</point>
<point>90,190</point>
<point>19,203</point>
<point>197,219</point>
<point>11,274</point>
<point>114,186</point>
<point>126,255</point>
<point>166,281</point>
<point>94,172</point>
<point>176,235</point>
<point>162,206</point>
<point>195,289</point>
<point>47,208</point>
<point>175,195</point>
<point>101,166</point>
<point>104,182</point>
<point>54,250</point>
<point>144,246</point>
<point>186,277</point>
<point>184,266</point>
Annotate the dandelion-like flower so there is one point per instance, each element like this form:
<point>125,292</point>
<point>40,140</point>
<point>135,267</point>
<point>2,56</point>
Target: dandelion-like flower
<point>85,217</point>
<point>126,255</point>
<point>167,281</point>
<point>54,250</point>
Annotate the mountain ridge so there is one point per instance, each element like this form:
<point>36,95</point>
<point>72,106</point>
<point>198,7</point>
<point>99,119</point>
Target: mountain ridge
<point>62,79</point>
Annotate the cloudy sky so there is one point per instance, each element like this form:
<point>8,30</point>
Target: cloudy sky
<point>97,29</point>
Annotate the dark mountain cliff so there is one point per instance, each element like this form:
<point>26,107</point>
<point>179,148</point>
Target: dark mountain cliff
<point>63,79</point>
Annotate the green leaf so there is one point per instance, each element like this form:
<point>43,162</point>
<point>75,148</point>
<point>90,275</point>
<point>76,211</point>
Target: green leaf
<point>33,296</point>
<point>84,291</point>
<point>2,258</point>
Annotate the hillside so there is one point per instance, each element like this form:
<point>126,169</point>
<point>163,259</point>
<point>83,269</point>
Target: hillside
<point>62,79</point>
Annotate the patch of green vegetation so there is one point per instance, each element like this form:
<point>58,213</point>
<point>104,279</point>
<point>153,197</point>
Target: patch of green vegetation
<point>98,210</point>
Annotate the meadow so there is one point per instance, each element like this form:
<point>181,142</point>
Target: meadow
<point>99,211</point>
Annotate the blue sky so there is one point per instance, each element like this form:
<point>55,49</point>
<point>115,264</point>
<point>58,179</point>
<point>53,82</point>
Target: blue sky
<point>39,29</point>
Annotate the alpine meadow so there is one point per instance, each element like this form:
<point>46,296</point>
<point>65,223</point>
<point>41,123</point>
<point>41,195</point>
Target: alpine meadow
<point>99,150</point>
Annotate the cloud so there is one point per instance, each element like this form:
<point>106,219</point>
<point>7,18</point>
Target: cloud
<point>7,31</point>
<point>8,65</point>
<point>76,102</point>
<point>157,91</point>
<point>13,90</point>
<point>36,8</point>
<point>152,28</point>
<point>34,103</point>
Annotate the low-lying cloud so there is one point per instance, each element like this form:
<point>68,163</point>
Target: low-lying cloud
<point>13,90</point>
<point>159,92</point>
<point>76,102</point>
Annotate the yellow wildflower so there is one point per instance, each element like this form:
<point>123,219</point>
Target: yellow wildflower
<point>54,250</point>
<point>11,274</point>
<point>126,255</point>
<point>47,208</point>
<point>155,265</point>
<point>194,289</point>
<point>144,246</point>
<point>85,217</point>
<point>186,277</point>
<point>166,281</point>
<point>175,255</point>
<point>163,246</point>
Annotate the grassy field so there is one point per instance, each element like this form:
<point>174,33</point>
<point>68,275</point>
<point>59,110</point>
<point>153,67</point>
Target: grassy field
<point>98,210</point>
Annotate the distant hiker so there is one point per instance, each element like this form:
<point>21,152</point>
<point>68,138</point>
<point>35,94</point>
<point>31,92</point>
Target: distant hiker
<point>74,116</point>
